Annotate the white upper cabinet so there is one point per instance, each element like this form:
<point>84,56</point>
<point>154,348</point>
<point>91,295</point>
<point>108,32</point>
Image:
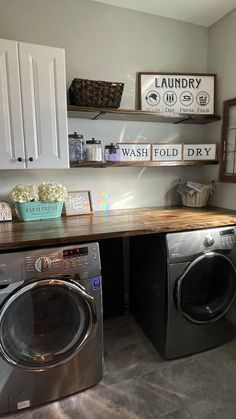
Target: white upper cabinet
<point>37,76</point>
<point>43,89</point>
<point>11,123</point>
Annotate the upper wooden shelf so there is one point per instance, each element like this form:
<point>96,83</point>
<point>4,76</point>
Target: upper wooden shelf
<point>137,115</point>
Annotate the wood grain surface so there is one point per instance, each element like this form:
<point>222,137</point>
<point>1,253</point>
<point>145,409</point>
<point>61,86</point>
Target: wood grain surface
<point>108,224</point>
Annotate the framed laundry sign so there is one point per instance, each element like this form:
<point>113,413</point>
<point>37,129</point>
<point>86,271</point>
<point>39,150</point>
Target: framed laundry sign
<point>177,93</point>
<point>135,151</point>
<point>78,203</point>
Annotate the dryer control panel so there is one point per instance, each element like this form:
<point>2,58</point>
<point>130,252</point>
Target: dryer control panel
<point>228,237</point>
<point>190,243</point>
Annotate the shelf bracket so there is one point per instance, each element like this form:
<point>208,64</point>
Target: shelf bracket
<point>98,115</point>
<point>187,118</point>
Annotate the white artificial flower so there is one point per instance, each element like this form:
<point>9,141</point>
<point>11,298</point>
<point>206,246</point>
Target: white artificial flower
<point>46,191</point>
<point>52,191</point>
<point>24,193</point>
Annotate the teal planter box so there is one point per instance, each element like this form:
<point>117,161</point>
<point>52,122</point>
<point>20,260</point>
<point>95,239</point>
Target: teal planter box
<point>38,210</point>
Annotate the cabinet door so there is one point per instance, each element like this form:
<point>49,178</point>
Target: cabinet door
<point>11,126</point>
<point>43,89</point>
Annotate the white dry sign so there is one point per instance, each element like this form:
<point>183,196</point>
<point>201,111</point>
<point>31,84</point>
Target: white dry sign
<point>177,93</point>
<point>199,152</point>
<point>135,152</point>
<point>166,152</point>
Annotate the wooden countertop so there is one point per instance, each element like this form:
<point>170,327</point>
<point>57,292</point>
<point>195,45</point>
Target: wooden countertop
<point>108,224</point>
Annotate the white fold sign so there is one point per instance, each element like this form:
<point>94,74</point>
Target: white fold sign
<point>166,152</point>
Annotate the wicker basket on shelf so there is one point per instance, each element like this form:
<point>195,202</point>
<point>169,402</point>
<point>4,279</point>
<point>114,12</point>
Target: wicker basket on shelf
<point>96,94</point>
<point>198,199</point>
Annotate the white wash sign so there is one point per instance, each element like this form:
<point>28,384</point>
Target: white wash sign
<point>199,152</point>
<point>135,152</point>
<point>166,152</point>
<point>177,93</point>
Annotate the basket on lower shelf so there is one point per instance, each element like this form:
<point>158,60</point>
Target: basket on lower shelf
<point>198,199</point>
<point>96,94</point>
<point>38,210</point>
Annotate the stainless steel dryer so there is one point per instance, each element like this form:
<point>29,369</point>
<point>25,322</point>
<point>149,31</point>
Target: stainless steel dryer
<point>51,342</point>
<point>182,288</point>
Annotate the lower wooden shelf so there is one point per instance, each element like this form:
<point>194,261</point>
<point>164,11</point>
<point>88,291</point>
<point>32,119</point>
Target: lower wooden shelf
<point>142,164</point>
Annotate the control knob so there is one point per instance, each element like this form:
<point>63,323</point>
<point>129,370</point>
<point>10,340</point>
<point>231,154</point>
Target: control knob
<point>42,264</point>
<point>209,241</point>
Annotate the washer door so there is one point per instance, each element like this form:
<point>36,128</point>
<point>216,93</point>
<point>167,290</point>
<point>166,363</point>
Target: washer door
<point>207,288</point>
<point>45,322</point>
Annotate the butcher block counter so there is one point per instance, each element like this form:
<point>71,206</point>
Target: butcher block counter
<point>110,224</point>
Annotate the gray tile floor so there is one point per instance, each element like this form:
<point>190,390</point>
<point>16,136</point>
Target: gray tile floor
<point>139,384</point>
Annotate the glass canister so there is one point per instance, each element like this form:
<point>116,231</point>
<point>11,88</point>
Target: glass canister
<point>93,151</point>
<point>76,147</point>
<point>112,153</point>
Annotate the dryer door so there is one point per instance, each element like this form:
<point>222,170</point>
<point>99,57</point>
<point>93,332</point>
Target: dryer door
<point>207,288</point>
<point>45,323</point>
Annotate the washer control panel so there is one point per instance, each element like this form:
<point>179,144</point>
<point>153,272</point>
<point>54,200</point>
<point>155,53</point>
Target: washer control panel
<point>82,260</point>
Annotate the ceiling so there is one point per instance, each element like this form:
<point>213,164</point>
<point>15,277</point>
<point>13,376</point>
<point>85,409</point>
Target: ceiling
<point>200,12</point>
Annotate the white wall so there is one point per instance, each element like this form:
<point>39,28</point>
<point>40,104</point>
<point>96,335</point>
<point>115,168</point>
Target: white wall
<point>222,61</point>
<point>109,43</point>
<point>118,187</point>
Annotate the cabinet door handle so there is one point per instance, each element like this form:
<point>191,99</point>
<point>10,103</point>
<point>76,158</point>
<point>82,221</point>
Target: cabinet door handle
<point>19,159</point>
<point>31,159</point>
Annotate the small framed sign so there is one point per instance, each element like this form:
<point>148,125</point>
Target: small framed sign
<point>5,211</point>
<point>166,152</point>
<point>177,92</point>
<point>199,152</point>
<point>78,203</point>
<point>135,151</point>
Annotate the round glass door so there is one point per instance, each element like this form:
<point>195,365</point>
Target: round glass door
<point>45,322</point>
<point>207,288</point>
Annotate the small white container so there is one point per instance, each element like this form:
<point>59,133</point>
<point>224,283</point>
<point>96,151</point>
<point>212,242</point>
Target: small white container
<point>93,151</point>
<point>112,153</point>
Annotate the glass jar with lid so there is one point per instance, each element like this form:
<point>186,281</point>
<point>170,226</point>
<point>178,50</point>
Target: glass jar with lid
<point>76,147</point>
<point>93,151</point>
<point>112,153</point>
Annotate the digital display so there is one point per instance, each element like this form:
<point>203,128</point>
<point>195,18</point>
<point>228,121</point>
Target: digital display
<point>72,253</point>
<point>227,232</point>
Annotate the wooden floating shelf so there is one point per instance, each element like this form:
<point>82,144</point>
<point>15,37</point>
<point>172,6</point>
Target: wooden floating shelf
<point>142,164</point>
<point>137,115</point>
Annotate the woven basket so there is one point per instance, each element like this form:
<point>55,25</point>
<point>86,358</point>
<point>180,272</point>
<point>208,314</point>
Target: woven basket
<point>198,199</point>
<point>96,94</point>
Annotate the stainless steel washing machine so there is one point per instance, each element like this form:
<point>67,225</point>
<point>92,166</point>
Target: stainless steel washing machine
<point>182,288</point>
<point>51,339</point>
